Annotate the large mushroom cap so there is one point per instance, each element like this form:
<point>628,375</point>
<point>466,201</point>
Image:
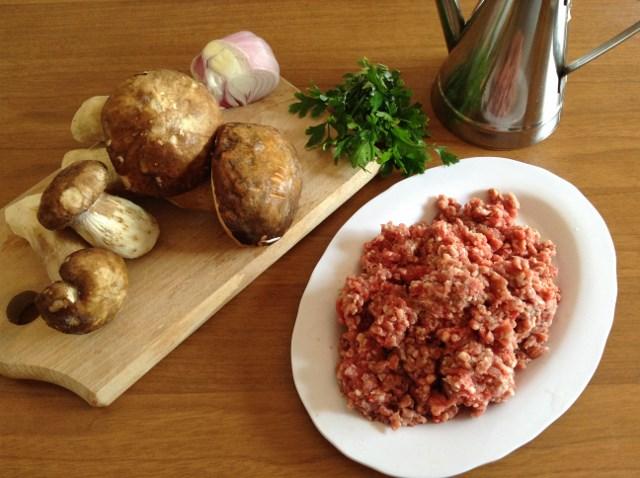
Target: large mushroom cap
<point>256,180</point>
<point>72,192</point>
<point>92,290</point>
<point>159,128</point>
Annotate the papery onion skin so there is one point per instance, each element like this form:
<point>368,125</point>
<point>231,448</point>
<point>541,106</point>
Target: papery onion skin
<point>238,69</point>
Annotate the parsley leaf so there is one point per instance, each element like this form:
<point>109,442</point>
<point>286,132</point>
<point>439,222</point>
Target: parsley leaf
<point>371,118</point>
<point>316,135</point>
<point>446,156</point>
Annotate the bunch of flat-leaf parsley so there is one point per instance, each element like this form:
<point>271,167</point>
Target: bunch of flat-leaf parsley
<point>370,118</point>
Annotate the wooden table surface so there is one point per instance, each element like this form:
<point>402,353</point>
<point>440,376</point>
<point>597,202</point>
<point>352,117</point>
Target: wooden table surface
<point>223,403</point>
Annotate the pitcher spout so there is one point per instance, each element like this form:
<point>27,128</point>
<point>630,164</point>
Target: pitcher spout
<point>451,20</point>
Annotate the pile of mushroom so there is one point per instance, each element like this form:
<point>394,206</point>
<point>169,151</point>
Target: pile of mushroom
<point>158,134</point>
<point>89,283</point>
<point>88,286</point>
<point>163,136</point>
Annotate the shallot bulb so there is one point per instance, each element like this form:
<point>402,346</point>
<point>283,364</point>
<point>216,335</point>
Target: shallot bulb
<point>237,69</point>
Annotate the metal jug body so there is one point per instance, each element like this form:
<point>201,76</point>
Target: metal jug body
<point>502,85</point>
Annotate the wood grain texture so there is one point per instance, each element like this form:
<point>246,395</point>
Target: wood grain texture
<point>223,403</point>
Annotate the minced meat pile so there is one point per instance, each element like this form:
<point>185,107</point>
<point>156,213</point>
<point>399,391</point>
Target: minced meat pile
<point>442,314</point>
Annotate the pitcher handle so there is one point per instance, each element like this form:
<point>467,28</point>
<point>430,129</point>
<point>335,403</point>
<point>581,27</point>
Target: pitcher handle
<point>605,47</point>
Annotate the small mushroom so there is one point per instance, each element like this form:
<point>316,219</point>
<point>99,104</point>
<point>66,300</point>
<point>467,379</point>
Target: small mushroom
<point>75,198</point>
<point>159,128</point>
<point>51,246</point>
<point>98,153</point>
<point>92,290</point>
<point>256,180</point>
<point>86,127</point>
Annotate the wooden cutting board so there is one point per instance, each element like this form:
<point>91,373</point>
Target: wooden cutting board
<point>192,272</point>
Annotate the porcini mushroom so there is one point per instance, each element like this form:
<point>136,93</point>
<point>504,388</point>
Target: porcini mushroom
<point>256,180</point>
<point>75,198</point>
<point>159,128</point>
<point>98,153</point>
<point>51,246</point>
<point>86,126</point>
<point>91,291</point>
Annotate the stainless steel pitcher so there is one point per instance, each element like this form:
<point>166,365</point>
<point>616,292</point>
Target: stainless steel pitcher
<point>503,83</point>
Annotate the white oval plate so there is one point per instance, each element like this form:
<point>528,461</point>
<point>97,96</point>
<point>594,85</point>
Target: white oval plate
<point>545,390</point>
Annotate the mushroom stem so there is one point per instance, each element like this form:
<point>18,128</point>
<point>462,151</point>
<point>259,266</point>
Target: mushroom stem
<point>51,246</point>
<point>98,153</point>
<point>119,225</point>
<point>199,198</point>
<point>86,125</point>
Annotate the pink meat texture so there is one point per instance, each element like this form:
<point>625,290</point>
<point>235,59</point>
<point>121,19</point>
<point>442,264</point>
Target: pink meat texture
<point>441,315</point>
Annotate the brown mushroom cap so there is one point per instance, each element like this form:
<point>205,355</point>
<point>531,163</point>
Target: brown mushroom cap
<point>159,128</point>
<point>72,192</point>
<point>92,290</point>
<point>256,181</point>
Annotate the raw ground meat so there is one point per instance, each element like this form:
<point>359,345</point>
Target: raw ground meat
<point>442,314</point>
